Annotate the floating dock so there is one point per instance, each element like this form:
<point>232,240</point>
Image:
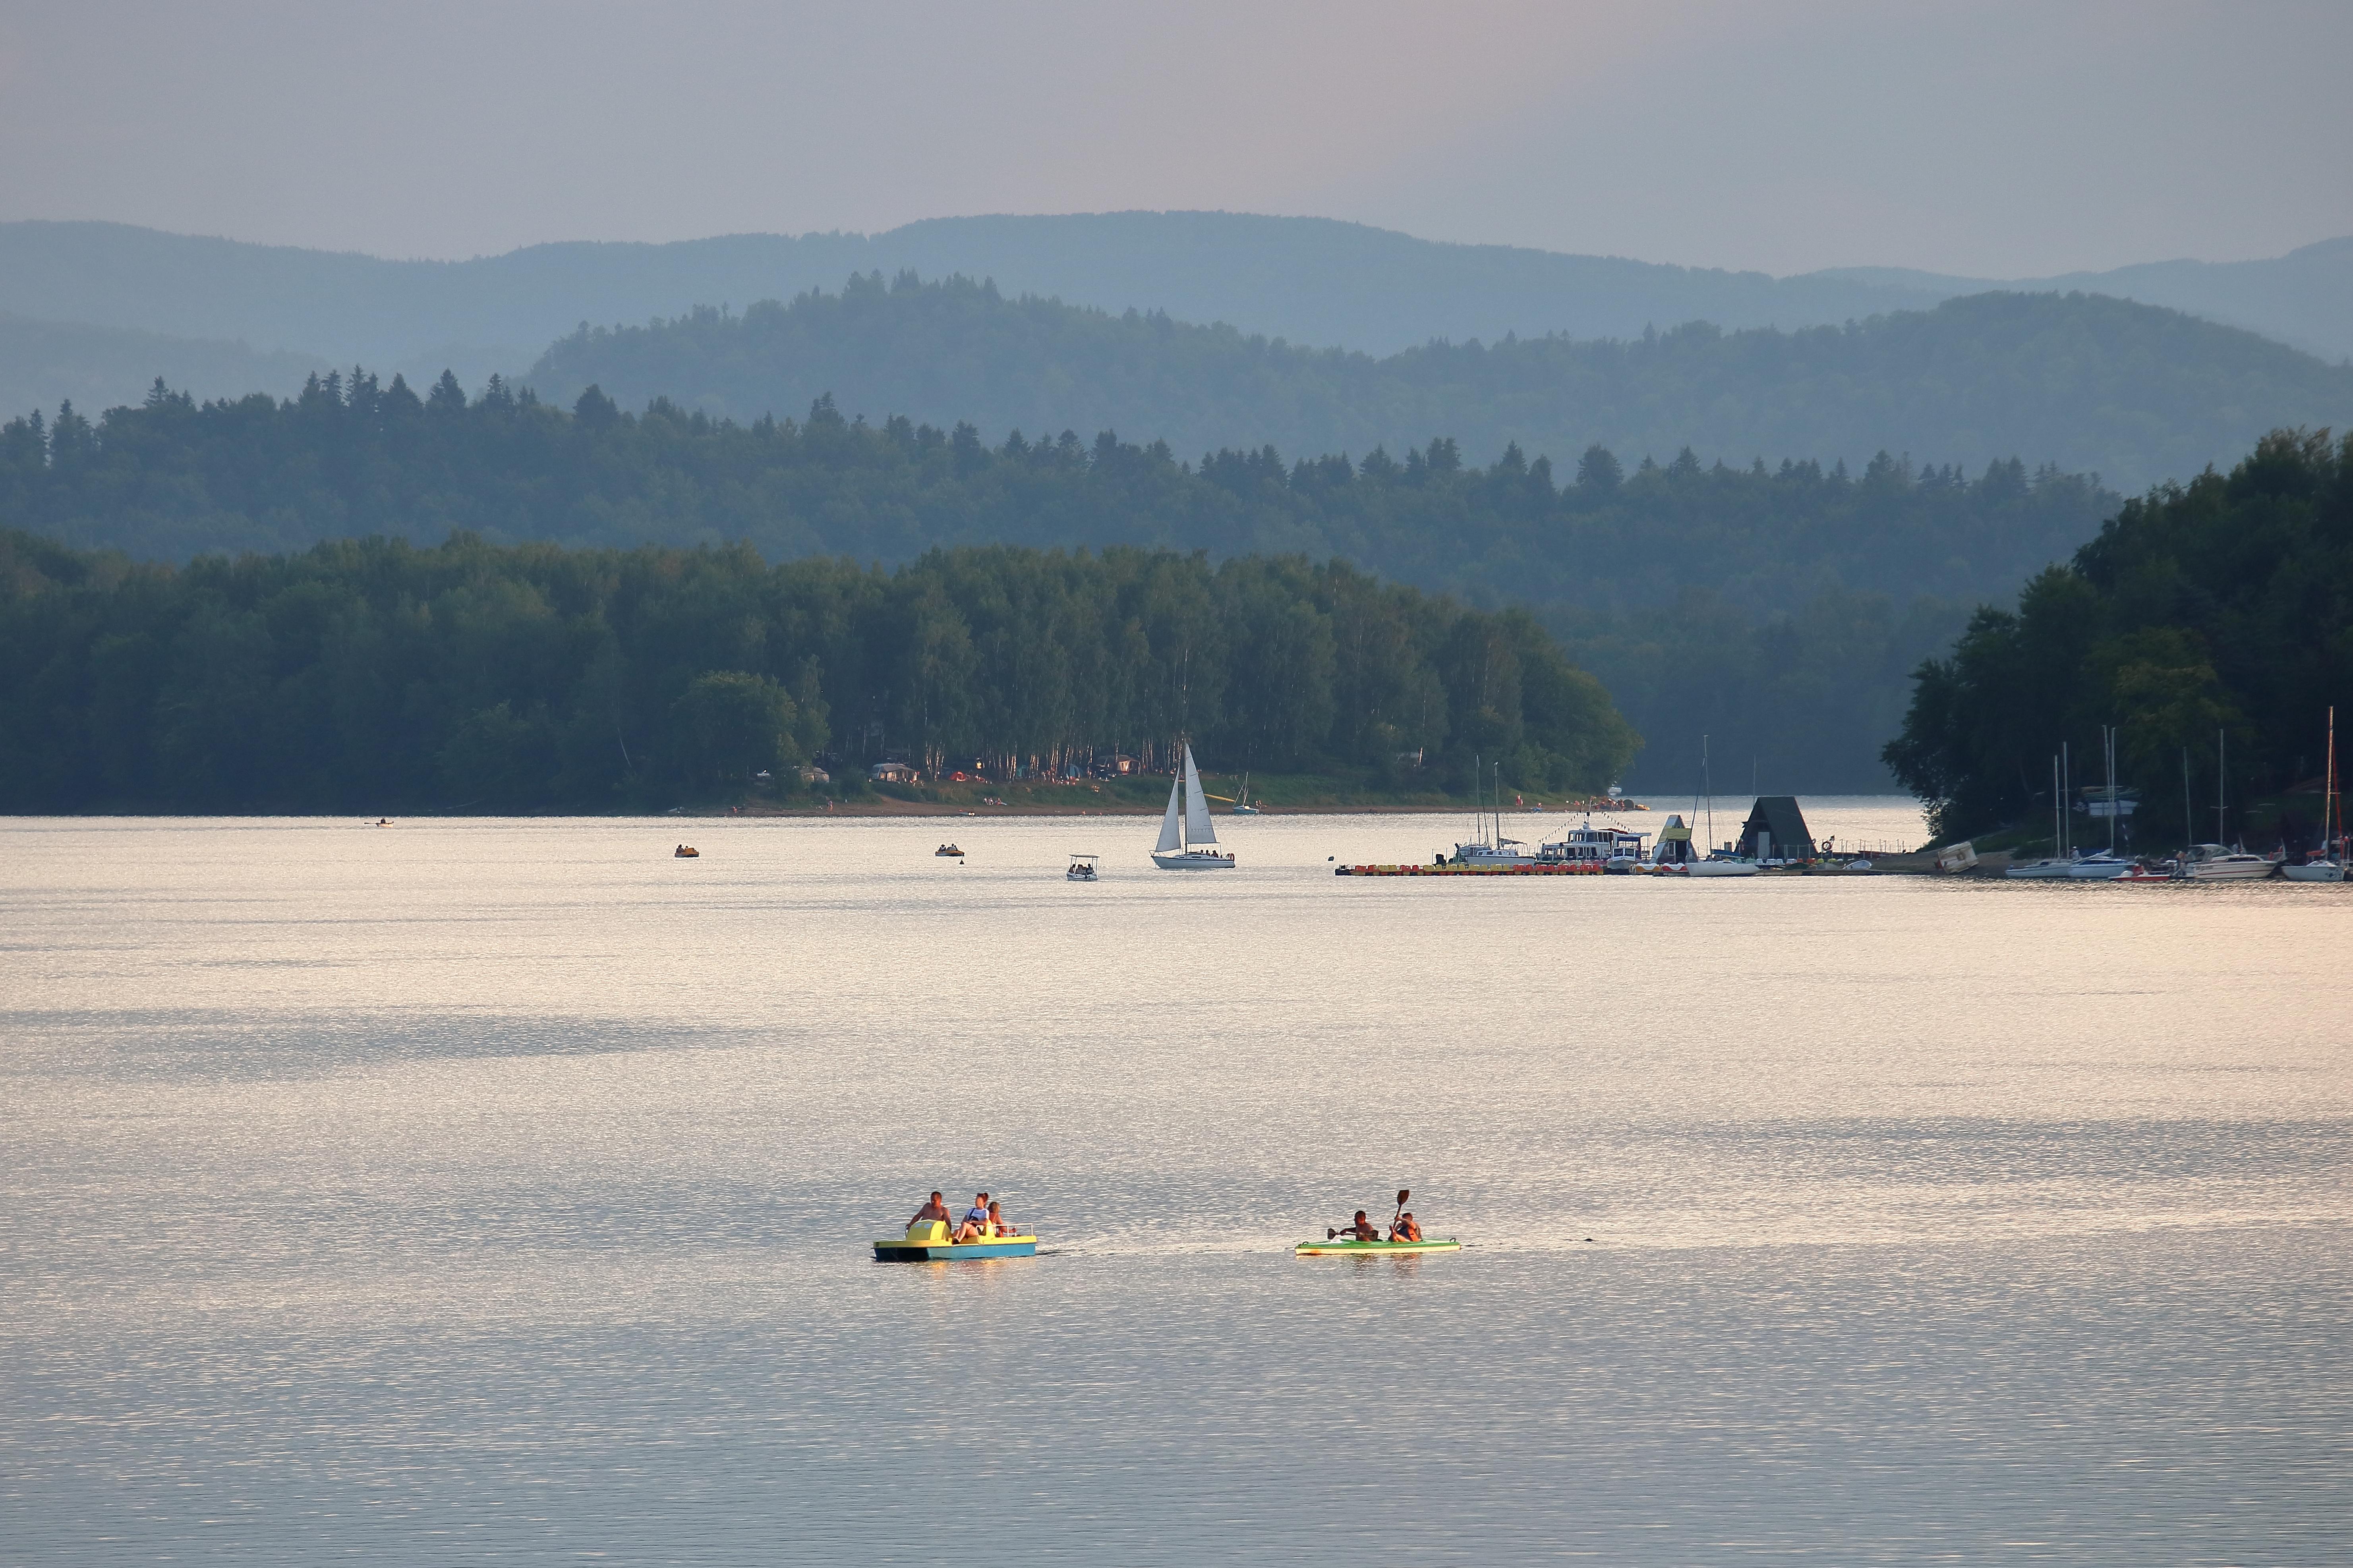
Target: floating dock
<point>1580,869</point>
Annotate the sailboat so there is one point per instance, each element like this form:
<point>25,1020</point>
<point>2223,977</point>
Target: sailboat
<point>1490,849</point>
<point>1242,807</point>
<point>1185,831</point>
<point>2328,865</point>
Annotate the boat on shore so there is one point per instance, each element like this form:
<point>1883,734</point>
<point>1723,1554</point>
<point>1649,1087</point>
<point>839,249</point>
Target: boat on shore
<point>1188,840</point>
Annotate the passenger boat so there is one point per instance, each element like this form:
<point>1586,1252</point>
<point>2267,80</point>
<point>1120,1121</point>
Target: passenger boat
<point>1610,848</point>
<point>928,1242</point>
<point>1083,866</point>
<point>949,849</point>
<point>1186,839</point>
<point>1373,1249</point>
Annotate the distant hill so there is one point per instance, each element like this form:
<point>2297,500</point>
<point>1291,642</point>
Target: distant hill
<point>43,364</point>
<point>1308,281</point>
<point>2132,392</point>
<point>2304,299</point>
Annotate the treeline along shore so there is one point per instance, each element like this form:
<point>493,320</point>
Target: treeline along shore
<point>2211,624</point>
<point>375,675</point>
<point>1775,606</point>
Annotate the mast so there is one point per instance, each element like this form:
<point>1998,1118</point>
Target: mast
<point>1708,788</point>
<point>2222,768</point>
<point>2058,806</point>
<point>2109,746</point>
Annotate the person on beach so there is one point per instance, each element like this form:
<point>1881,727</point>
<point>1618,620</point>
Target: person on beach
<point>976,1219</point>
<point>1407,1228</point>
<point>934,1210</point>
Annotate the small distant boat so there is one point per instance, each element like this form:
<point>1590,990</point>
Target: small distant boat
<point>1083,866</point>
<point>1186,835</point>
<point>2148,874</point>
<point>686,852</point>
<point>1339,1249</point>
<point>1242,807</point>
<point>928,1242</point>
<point>949,850</point>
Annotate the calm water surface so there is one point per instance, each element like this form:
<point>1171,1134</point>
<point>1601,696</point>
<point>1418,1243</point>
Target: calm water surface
<point>499,1191</point>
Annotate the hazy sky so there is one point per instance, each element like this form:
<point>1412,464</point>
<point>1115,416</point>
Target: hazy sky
<point>1992,139</point>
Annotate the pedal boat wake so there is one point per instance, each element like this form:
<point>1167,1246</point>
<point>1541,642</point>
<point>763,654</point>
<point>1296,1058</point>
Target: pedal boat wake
<point>928,1242</point>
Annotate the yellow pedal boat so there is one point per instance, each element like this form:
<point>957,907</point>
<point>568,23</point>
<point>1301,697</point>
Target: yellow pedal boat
<point>1373,1249</point>
<point>928,1241</point>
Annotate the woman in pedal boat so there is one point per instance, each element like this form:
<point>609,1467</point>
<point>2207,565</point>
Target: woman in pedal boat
<point>975,1220</point>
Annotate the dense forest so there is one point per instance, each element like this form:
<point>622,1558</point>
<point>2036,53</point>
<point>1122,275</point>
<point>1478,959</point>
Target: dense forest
<point>1760,605</point>
<point>2130,392</point>
<point>2224,605</point>
<point>364,676</point>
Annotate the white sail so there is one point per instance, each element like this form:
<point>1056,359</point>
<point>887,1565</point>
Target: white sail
<point>1196,805</point>
<point>1168,824</point>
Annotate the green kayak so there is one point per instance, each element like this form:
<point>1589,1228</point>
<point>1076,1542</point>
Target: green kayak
<point>1336,1248</point>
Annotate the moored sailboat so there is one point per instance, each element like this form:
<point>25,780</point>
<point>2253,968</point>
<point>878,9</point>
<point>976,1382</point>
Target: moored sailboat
<point>1186,839</point>
<point>2327,864</point>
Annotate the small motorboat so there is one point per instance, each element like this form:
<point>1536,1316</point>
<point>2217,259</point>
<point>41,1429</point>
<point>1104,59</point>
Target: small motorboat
<point>950,851</point>
<point>927,1241</point>
<point>686,852</point>
<point>1083,866</point>
<point>2140,873</point>
<point>1373,1249</point>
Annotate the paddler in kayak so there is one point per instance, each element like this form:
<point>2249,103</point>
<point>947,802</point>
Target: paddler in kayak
<point>1364,1229</point>
<point>1405,1229</point>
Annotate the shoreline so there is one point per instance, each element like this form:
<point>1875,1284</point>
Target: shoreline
<point>887,807</point>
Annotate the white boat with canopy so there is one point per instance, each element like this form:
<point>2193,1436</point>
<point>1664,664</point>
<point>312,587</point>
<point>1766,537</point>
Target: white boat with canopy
<point>1186,839</point>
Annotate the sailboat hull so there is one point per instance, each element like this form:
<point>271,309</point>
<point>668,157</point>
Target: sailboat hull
<point>2316,871</point>
<point>1193,860</point>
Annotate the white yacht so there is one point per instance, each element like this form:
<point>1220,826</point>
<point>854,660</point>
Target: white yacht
<point>1188,842</point>
<point>2051,869</point>
<point>2214,863</point>
<point>1678,856</point>
<point>2100,866</point>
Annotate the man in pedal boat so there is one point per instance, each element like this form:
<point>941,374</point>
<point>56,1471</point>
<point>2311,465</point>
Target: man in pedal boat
<point>1405,1229</point>
<point>934,1210</point>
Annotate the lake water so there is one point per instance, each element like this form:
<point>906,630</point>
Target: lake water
<point>474,1191</point>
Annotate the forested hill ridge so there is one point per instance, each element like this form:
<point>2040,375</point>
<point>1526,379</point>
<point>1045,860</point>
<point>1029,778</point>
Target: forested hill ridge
<point>1778,611</point>
<point>2133,393</point>
<point>353,457</point>
<point>2222,604</point>
<point>374,676</point>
